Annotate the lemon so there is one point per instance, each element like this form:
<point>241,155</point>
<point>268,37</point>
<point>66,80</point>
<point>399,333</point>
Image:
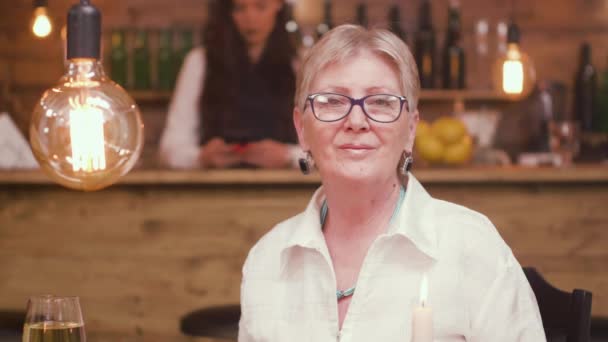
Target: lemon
<point>429,148</point>
<point>423,128</point>
<point>460,152</point>
<point>449,130</point>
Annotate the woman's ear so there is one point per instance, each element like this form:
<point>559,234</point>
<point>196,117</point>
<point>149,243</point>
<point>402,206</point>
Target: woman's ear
<point>299,124</point>
<point>412,123</point>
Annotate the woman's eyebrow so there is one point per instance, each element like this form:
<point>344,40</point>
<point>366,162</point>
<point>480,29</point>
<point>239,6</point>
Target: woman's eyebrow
<point>336,89</point>
<point>378,90</point>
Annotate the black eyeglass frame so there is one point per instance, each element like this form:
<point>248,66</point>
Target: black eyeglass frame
<point>357,102</point>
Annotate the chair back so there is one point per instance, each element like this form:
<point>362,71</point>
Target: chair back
<point>564,314</point>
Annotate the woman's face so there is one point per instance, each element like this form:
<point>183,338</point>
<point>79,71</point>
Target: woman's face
<point>355,147</point>
<point>255,19</point>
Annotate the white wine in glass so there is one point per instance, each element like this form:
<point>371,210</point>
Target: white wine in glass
<point>53,319</point>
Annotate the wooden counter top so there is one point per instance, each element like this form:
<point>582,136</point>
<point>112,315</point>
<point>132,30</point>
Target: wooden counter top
<point>474,175</point>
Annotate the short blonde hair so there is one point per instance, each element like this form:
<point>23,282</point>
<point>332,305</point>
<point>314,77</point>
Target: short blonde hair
<point>346,41</point>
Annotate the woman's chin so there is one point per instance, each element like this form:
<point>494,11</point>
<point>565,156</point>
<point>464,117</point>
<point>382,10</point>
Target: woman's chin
<point>356,173</point>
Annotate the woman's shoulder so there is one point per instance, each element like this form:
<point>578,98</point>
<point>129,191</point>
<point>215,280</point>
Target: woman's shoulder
<point>468,233</point>
<point>272,243</point>
<point>196,56</point>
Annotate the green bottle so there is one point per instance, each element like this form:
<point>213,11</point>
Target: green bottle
<point>119,62</point>
<point>165,66</point>
<point>141,61</point>
<point>185,44</point>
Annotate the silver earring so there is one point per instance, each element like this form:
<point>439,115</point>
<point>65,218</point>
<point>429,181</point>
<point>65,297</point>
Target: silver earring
<point>306,163</point>
<point>408,160</point>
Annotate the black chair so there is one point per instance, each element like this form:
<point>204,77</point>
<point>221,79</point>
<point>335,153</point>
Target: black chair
<point>564,314</point>
<point>214,322</point>
<point>11,325</point>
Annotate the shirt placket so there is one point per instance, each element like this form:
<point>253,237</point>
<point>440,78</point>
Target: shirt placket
<point>350,321</point>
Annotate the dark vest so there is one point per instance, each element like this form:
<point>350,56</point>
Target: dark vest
<point>260,106</point>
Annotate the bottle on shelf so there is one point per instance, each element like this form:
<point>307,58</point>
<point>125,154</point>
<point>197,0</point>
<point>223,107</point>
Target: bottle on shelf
<point>327,23</point>
<point>185,44</point>
<point>141,61</point>
<point>453,61</point>
<point>362,19</point>
<point>585,91</point>
<point>292,27</point>
<point>119,59</point>
<point>480,77</point>
<point>394,22</point>
<point>425,48</point>
<point>165,60</point>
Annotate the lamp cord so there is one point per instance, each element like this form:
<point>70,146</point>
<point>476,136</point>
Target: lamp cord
<point>512,11</point>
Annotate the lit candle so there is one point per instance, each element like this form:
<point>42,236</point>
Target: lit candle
<point>422,320</point>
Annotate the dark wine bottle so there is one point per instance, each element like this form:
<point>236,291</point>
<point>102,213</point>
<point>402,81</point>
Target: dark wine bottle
<point>585,90</point>
<point>292,28</point>
<point>394,22</point>
<point>453,61</point>
<point>327,23</point>
<point>425,48</point>
<point>362,19</point>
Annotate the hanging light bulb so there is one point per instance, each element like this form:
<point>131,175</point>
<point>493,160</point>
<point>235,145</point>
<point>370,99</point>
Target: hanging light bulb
<point>514,74</point>
<point>41,23</point>
<point>86,132</point>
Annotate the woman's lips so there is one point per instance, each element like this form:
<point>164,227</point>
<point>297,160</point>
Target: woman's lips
<point>356,150</point>
<point>356,147</point>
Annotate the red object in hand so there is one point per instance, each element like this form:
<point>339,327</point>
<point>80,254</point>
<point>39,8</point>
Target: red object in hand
<point>239,148</point>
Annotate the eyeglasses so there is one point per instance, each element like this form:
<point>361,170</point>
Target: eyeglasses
<point>330,107</point>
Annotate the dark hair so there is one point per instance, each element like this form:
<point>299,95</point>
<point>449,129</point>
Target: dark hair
<point>227,60</point>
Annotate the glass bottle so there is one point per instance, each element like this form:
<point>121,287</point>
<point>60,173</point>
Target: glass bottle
<point>453,54</point>
<point>141,61</point>
<point>425,48</point>
<point>165,60</point>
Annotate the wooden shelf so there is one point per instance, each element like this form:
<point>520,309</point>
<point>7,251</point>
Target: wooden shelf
<point>151,96</point>
<point>164,96</point>
<point>462,95</point>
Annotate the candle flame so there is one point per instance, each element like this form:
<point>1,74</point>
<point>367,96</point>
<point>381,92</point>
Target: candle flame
<point>424,290</point>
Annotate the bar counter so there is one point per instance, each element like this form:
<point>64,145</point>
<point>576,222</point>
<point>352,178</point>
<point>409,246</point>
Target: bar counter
<point>469,175</point>
<point>159,244</point>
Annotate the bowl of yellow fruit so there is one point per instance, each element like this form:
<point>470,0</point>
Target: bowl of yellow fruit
<point>445,141</point>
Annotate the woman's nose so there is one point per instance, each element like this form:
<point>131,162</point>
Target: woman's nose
<point>356,119</point>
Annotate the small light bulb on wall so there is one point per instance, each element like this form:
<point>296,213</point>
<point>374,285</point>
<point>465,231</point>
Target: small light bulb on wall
<point>514,74</point>
<point>41,23</point>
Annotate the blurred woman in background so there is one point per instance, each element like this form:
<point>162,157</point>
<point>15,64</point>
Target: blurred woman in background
<point>234,97</point>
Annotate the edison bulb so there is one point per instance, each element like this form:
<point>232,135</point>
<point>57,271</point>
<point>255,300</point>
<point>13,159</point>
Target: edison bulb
<point>514,74</point>
<point>86,132</point>
<point>41,24</point>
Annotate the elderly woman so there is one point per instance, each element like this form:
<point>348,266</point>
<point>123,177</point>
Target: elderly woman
<point>350,267</point>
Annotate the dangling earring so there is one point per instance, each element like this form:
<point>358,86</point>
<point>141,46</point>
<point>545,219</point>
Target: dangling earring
<point>306,163</point>
<point>408,160</point>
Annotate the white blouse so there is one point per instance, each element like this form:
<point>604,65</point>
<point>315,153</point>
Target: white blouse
<point>476,288</point>
<point>179,144</point>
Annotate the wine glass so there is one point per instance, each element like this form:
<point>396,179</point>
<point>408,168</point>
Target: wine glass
<point>564,140</point>
<point>53,319</point>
